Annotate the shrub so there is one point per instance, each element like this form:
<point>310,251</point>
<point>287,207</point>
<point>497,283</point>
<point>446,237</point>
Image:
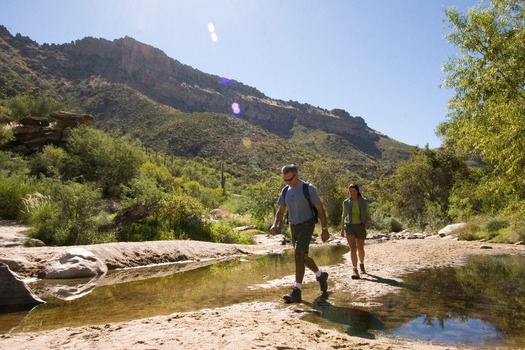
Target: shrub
<point>383,221</point>
<point>222,233</point>
<point>471,232</point>
<point>66,217</point>
<point>496,224</point>
<point>49,162</point>
<point>110,162</point>
<point>12,190</point>
<point>395,225</point>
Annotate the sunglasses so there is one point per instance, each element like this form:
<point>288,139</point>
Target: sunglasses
<point>290,179</point>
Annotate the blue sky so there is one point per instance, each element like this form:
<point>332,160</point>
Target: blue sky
<point>378,59</point>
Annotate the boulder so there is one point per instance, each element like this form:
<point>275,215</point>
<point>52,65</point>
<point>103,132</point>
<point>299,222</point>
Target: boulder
<point>14,294</point>
<point>74,263</point>
<point>451,229</point>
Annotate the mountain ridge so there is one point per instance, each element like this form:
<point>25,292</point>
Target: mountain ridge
<point>60,69</point>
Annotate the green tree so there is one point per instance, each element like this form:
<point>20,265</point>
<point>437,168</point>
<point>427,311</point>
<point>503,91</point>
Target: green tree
<point>331,179</point>
<point>488,77</point>
<point>262,199</point>
<point>421,187</point>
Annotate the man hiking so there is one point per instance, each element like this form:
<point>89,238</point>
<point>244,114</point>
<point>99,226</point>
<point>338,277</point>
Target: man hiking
<point>302,201</point>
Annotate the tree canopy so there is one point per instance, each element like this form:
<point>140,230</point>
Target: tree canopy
<point>488,77</point>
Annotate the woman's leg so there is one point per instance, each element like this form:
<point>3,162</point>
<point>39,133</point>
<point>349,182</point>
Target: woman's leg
<point>352,243</point>
<point>360,243</point>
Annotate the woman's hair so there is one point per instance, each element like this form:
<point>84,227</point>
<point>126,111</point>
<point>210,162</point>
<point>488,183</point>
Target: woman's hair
<point>356,188</point>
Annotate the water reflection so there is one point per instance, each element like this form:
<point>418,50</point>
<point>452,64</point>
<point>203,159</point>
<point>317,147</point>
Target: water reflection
<point>452,330</point>
<point>345,317</point>
<point>481,303</point>
<point>222,284</point>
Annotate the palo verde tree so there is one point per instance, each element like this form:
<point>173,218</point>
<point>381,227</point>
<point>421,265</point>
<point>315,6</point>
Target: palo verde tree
<point>488,78</point>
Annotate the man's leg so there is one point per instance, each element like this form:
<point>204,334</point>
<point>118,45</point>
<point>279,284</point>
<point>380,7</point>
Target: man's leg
<point>301,259</point>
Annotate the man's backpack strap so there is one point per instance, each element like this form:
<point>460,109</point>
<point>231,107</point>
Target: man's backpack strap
<point>312,207</point>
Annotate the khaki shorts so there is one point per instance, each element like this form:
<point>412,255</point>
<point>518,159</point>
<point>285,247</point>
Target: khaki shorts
<point>357,230</point>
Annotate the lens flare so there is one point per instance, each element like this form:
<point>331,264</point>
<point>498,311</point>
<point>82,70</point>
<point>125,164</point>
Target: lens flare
<point>236,109</point>
<point>226,81</point>
<point>213,35</point>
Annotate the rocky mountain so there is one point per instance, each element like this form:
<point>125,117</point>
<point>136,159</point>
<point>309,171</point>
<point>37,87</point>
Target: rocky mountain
<point>104,78</point>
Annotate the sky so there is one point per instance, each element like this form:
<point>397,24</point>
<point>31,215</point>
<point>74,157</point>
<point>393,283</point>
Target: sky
<point>378,59</point>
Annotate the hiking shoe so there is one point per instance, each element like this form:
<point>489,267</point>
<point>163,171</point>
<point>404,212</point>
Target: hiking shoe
<point>355,275</point>
<point>323,281</point>
<point>293,297</point>
<point>362,268</point>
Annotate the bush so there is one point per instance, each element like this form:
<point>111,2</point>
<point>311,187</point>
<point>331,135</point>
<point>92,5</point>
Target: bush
<point>67,216</point>
<point>110,162</point>
<point>395,225</point>
<point>383,221</point>
<point>149,230</point>
<point>496,223</point>
<point>12,190</point>
<point>50,162</point>
<point>222,233</point>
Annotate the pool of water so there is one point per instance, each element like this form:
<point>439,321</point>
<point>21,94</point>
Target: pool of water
<point>216,285</point>
<point>481,304</point>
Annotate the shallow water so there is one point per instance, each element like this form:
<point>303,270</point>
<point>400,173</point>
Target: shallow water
<point>480,304</point>
<point>221,284</point>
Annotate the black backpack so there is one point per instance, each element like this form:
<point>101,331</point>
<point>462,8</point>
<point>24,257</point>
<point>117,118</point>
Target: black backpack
<point>307,195</point>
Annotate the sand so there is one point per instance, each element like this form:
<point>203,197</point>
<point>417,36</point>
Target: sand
<point>255,325</point>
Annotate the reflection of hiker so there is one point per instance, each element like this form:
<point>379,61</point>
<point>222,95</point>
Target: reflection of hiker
<point>302,219</point>
<point>356,220</point>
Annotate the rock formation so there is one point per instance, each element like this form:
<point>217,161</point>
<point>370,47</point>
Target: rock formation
<point>14,294</point>
<point>34,133</point>
<point>74,263</point>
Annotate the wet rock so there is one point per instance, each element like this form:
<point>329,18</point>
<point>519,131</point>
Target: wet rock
<point>74,263</point>
<point>14,294</point>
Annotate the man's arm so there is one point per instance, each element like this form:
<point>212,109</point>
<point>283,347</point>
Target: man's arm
<point>278,217</point>
<point>324,223</point>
